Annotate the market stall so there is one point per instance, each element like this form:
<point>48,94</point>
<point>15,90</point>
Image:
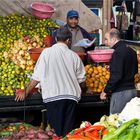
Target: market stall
<point>20,35</point>
<point>21,31</point>
<point>34,102</point>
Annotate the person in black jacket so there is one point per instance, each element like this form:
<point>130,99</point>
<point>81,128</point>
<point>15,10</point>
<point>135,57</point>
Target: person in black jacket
<point>77,31</point>
<point>123,67</point>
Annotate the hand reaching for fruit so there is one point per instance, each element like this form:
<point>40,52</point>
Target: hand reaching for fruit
<point>20,96</point>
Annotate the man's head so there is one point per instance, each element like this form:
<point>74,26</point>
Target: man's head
<point>112,37</point>
<point>72,18</point>
<point>64,35</point>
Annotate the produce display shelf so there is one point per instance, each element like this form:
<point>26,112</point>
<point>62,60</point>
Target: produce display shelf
<point>9,101</point>
<point>34,102</point>
<point>21,108</point>
<point>86,97</point>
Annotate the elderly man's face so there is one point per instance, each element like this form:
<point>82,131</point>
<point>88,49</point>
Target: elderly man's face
<point>110,42</point>
<point>72,21</point>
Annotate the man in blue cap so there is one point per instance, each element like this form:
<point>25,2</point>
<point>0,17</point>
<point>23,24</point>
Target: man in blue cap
<point>78,33</point>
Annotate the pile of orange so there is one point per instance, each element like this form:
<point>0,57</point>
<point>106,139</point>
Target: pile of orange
<point>97,77</point>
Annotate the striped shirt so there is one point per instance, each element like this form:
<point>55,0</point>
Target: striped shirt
<point>59,71</point>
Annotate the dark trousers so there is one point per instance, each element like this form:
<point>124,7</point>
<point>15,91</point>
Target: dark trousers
<point>61,115</point>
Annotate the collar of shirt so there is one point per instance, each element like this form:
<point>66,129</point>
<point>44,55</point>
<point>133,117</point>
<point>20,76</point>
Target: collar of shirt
<point>62,45</point>
<point>119,43</point>
<point>73,29</point>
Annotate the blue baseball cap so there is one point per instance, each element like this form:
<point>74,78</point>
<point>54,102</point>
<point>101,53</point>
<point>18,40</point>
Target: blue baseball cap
<point>72,13</point>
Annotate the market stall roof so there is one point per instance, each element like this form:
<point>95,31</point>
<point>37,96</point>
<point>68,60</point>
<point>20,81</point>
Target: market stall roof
<point>88,19</point>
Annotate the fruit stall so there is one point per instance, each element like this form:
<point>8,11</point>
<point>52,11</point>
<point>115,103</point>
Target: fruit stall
<point>22,38</point>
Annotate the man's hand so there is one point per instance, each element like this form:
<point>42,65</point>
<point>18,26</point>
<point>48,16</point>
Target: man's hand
<point>20,96</point>
<point>103,96</point>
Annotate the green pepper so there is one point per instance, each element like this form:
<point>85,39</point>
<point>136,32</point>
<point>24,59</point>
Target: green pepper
<point>109,136</point>
<point>131,134</point>
<point>137,137</point>
<point>120,130</point>
<point>112,129</point>
<point>137,129</point>
<point>123,137</point>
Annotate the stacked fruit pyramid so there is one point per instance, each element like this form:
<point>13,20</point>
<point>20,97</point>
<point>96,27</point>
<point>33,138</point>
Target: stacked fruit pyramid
<point>97,77</point>
<point>19,33</point>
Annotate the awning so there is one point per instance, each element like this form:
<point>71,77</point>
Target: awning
<point>88,19</point>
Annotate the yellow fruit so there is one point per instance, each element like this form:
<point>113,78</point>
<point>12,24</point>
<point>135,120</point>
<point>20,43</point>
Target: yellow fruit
<point>104,69</point>
<point>107,76</point>
<point>91,85</point>
<point>88,75</point>
<point>87,67</point>
<point>96,71</point>
<point>99,90</point>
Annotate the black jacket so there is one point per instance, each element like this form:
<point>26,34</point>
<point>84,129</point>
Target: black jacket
<point>123,67</point>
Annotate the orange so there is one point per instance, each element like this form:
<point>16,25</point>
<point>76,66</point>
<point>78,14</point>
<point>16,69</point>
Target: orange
<point>104,73</point>
<point>90,71</point>
<point>99,67</point>
<point>99,90</point>
<point>97,77</point>
<point>107,76</point>
<point>100,74</point>
<point>88,75</point>
<point>95,71</point>
<point>93,75</point>
<point>100,87</point>
<point>91,85</point>
<point>96,83</point>
<point>104,69</point>
<point>93,79</point>
<point>87,67</point>
<point>102,80</point>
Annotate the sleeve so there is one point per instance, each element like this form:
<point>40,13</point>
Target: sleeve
<point>80,71</point>
<point>39,70</point>
<point>116,72</point>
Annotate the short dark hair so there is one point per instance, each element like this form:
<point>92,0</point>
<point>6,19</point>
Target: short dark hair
<point>63,34</point>
<point>115,33</point>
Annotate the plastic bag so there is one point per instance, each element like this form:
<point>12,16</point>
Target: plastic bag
<point>131,110</point>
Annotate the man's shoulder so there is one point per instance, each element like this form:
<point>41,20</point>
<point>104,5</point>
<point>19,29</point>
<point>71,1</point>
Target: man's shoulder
<point>82,29</point>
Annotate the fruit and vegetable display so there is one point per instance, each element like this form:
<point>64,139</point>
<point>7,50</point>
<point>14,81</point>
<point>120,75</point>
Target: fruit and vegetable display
<point>109,128</point>
<point>109,121</point>
<point>25,131</point>
<point>97,77</point>
<point>19,52</point>
<point>87,132</point>
<point>18,34</point>
<point>9,129</point>
<point>127,131</point>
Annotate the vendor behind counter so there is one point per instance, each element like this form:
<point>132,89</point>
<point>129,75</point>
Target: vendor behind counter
<point>78,33</point>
